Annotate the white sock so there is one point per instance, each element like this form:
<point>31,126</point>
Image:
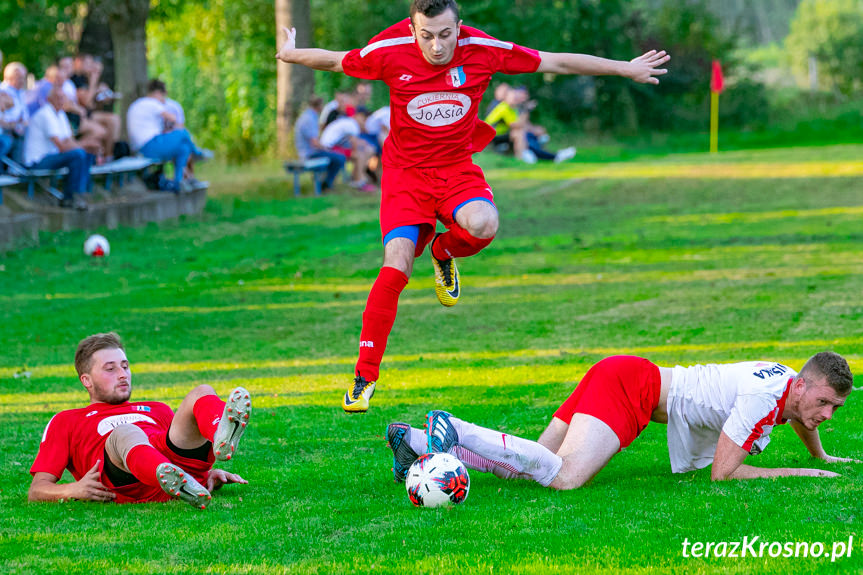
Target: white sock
<point>505,455</point>
<point>418,440</point>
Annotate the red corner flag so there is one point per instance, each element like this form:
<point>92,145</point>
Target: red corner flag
<point>717,82</point>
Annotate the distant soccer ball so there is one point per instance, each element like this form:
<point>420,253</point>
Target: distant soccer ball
<point>437,479</point>
<point>97,246</point>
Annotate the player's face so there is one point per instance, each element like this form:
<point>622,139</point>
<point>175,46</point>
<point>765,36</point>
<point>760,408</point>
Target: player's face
<point>437,37</point>
<point>817,404</point>
<point>109,379</point>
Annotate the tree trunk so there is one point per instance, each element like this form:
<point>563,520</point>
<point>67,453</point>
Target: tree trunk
<point>96,40</point>
<point>128,22</point>
<point>295,83</point>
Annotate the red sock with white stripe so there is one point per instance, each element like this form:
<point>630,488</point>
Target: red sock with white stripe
<point>506,453</point>
<point>378,319</point>
<point>142,461</point>
<point>457,243</point>
<point>208,410</point>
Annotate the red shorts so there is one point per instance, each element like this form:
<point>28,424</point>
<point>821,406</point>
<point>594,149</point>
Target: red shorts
<point>421,196</point>
<point>622,391</point>
<point>346,152</point>
<point>141,493</point>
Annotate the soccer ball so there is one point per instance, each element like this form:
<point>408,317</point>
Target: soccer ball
<point>97,246</point>
<point>437,479</point>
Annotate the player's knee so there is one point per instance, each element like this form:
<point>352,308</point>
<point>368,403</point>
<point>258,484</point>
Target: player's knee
<point>201,390</point>
<point>122,439</point>
<point>483,224</point>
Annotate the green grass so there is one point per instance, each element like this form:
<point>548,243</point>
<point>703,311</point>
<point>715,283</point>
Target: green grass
<point>681,259</point>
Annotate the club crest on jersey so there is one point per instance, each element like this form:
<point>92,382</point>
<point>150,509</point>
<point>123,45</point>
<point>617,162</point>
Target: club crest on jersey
<point>142,408</point>
<point>456,77</point>
<point>439,108</point>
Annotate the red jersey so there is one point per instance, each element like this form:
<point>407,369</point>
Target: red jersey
<point>75,439</point>
<point>434,109</point>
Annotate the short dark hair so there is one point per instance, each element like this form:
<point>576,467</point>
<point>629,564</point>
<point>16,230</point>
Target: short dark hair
<point>156,85</point>
<point>833,368</point>
<point>432,8</point>
<point>90,345</point>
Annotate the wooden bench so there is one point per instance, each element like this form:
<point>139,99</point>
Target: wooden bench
<point>121,168</point>
<point>316,166</point>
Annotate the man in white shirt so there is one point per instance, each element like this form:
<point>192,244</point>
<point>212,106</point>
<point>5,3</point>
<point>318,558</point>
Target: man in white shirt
<point>149,122</point>
<point>344,135</point>
<point>716,414</point>
<point>14,119</point>
<point>49,145</point>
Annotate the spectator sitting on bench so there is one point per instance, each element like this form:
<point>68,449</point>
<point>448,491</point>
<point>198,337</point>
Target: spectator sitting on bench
<point>89,134</point>
<point>344,104</point>
<point>309,147</point>
<point>500,92</point>
<point>175,108</point>
<point>511,120</point>
<point>86,77</point>
<point>13,121</point>
<point>343,136</point>
<point>149,125</point>
<point>49,145</point>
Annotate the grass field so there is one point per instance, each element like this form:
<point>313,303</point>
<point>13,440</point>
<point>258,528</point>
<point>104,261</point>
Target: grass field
<point>681,259</point>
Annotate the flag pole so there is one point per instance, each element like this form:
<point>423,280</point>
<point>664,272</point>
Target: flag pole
<point>714,122</point>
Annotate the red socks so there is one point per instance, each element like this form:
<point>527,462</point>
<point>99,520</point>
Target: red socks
<point>142,462</point>
<point>208,412</point>
<point>457,243</point>
<point>378,319</point>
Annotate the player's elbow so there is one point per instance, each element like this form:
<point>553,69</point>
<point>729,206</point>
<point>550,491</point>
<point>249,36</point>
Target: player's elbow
<point>719,474</point>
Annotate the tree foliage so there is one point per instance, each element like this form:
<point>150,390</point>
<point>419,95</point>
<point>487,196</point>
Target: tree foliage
<point>36,32</point>
<point>832,33</point>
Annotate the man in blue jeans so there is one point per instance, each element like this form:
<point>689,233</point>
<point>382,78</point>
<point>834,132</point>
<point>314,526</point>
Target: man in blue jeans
<point>49,145</point>
<point>309,147</point>
<point>149,123</point>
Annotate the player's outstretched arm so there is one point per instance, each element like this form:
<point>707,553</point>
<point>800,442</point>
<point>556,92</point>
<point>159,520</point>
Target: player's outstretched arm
<point>643,69</point>
<point>45,488</point>
<point>311,57</point>
<point>812,441</point>
<point>728,464</point>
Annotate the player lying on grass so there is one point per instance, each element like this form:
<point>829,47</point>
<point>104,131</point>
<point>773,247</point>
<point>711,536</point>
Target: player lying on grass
<point>141,451</point>
<point>716,414</point>
<point>437,71</point>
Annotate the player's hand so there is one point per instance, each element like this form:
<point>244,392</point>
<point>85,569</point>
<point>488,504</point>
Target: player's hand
<point>645,68</point>
<point>218,477</point>
<point>289,45</point>
<point>832,459</point>
<point>89,488</point>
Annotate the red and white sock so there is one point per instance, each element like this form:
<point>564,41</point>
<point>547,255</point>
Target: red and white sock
<point>378,319</point>
<point>142,461</point>
<point>208,411</point>
<point>506,453</point>
<point>457,243</point>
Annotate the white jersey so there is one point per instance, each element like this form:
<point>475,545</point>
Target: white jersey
<point>745,400</point>
<point>378,120</point>
<point>339,132</point>
<point>46,124</point>
<point>144,121</point>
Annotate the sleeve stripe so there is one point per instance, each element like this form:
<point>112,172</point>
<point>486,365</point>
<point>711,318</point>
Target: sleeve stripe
<point>758,431</point>
<point>45,433</point>
<point>386,43</point>
<point>479,41</point>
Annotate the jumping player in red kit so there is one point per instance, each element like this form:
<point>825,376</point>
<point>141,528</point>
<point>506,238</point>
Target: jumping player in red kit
<point>141,451</point>
<point>437,71</point>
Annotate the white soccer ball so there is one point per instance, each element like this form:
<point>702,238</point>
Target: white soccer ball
<point>97,246</point>
<point>437,479</point>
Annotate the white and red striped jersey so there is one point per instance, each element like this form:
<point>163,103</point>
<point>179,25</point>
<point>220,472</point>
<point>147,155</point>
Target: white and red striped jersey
<point>434,118</point>
<point>745,400</point>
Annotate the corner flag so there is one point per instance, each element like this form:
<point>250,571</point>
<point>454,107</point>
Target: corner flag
<point>717,84</point>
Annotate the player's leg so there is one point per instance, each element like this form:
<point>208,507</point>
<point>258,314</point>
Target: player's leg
<point>380,315</point>
<point>203,419</point>
<point>588,447</point>
<point>407,443</point>
<point>128,449</point>
<point>554,434</point>
<point>507,456</point>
